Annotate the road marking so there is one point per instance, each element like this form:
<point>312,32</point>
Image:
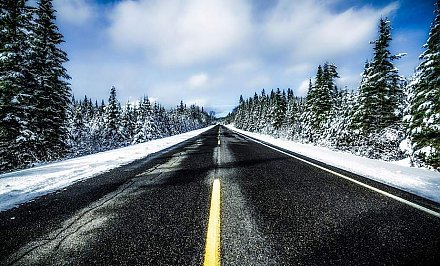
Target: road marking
<point>387,194</point>
<point>218,138</point>
<point>212,248</point>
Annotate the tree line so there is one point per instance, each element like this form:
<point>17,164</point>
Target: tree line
<point>39,120</point>
<point>94,127</point>
<point>388,117</point>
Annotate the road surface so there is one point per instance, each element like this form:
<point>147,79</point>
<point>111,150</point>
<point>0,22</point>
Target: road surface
<point>274,210</point>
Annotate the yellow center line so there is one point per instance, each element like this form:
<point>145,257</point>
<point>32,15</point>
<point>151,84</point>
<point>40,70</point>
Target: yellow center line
<point>212,248</point>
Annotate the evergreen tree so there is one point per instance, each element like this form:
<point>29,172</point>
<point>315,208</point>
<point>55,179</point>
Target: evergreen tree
<point>327,91</point>
<point>128,124</point>
<point>51,94</point>
<point>279,107</point>
<point>255,113</point>
<point>144,129</point>
<point>77,129</point>
<point>17,135</point>
<point>264,110</point>
<point>320,100</point>
<point>292,108</point>
<point>338,132</point>
<point>424,122</point>
<point>112,134</point>
<point>330,89</point>
<point>161,121</point>
<point>379,92</point>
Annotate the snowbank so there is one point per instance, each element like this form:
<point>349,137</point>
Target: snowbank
<point>419,181</point>
<point>22,186</point>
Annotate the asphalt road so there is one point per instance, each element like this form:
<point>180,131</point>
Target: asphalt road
<point>275,210</point>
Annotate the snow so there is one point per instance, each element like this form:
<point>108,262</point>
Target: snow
<point>399,174</point>
<point>25,185</point>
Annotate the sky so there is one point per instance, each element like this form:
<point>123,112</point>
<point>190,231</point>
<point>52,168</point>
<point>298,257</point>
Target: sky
<point>209,52</point>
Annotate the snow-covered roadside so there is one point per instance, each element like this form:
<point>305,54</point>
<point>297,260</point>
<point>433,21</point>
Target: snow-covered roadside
<point>22,186</point>
<point>422,182</point>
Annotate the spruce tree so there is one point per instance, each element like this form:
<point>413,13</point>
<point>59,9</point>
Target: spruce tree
<point>112,136</point>
<point>128,123</point>
<point>320,100</point>
<point>144,129</point>
<point>263,115</point>
<point>77,128</point>
<point>161,121</point>
<point>380,91</point>
<point>362,118</point>
<point>17,136</point>
<point>279,107</point>
<point>52,93</point>
<point>424,122</point>
<point>292,108</point>
<point>255,119</point>
<point>327,91</point>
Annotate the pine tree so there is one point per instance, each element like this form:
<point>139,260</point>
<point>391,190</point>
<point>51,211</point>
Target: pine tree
<point>279,107</point>
<point>327,91</point>
<point>239,118</point>
<point>17,136</point>
<point>338,132</point>
<point>424,122</point>
<point>52,92</point>
<point>320,100</point>
<point>161,121</point>
<point>255,114</point>
<point>112,135</point>
<point>77,130</point>
<point>292,108</point>
<point>145,128</point>
<point>264,111</point>
<point>128,123</point>
<point>379,92</point>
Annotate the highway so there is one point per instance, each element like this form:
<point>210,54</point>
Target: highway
<point>273,209</point>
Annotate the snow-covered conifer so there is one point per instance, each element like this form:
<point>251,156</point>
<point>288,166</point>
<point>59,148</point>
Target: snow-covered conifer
<point>424,122</point>
<point>279,107</point>
<point>51,93</point>
<point>17,135</point>
<point>112,135</point>
<point>380,92</point>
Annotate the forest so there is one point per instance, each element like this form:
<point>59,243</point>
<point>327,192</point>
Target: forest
<point>388,117</point>
<point>94,127</point>
<point>41,122</point>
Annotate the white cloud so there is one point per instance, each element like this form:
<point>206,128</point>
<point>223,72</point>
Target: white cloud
<point>177,33</point>
<point>303,88</point>
<point>180,32</point>
<point>76,12</point>
<point>198,80</point>
<point>243,66</point>
<point>180,47</point>
<point>308,30</point>
<point>259,81</point>
<point>299,69</point>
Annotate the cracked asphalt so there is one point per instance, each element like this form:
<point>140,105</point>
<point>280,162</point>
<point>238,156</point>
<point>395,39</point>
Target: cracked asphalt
<point>275,210</point>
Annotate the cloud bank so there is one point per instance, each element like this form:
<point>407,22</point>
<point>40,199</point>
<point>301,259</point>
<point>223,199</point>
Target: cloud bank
<point>77,12</point>
<point>214,50</point>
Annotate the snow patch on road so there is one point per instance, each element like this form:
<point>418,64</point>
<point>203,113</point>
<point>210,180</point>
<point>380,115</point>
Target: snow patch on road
<point>419,181</point>
<point>25,185</point>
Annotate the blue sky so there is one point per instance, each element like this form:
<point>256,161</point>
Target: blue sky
<point>209,52</point>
